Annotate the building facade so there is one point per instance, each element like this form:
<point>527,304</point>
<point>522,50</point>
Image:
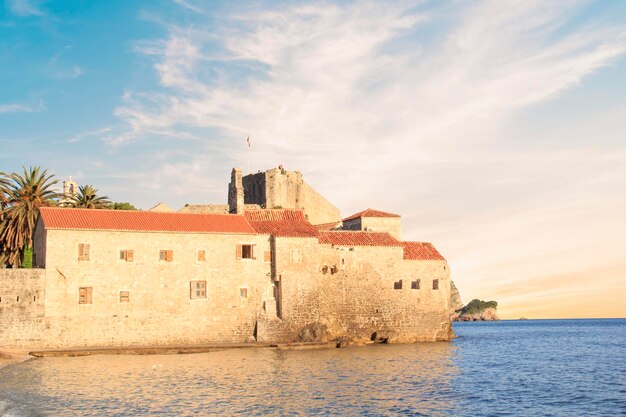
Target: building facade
<point>127,278</point>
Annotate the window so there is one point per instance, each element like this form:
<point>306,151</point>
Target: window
<point>296,256</point>
<point>415,285</point>
<point>397,285</point>
<point>201,255</point>
<point>83,251</point>
<point>84,295</point>
<point>126,255</point>
<point>245,251</point>
<point>243,293</point>
<point>197,289</point>
<point>124,297</point>
<point>166,255</point>
<point>435,284</point>
<point>267,256</point>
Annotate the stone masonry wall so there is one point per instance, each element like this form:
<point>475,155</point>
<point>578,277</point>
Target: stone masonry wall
<point>278,188</point>
<point>160,310</point>
<point>390,225</point>
<point>22,294</point>
<point>358,299</point>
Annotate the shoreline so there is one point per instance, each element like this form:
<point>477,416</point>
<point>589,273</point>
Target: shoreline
<point>10,357</point>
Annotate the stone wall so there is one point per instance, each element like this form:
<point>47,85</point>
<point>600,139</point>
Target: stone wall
<point>160,310</point>
<point>306,290</point>
<point>22,296</point>
<point>349,293</point>
<point>278,188</point>
<point>391,225</point>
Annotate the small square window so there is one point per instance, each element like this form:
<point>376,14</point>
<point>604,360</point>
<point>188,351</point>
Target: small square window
<point>415,285</point>
<point>243,293</point>
<point>84,295</point>
<point>201,255</point>
<point>197,289</point>
<point>124,296</point>
<point>435,284</point>
<point>397,285</point>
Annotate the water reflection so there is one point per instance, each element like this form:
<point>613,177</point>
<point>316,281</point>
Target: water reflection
<point>375,380</point>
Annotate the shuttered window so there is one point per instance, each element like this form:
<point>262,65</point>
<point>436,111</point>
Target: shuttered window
<point>84,295</point>
<point>296,256</point>
<point>197,289</point>
<point>435,284</point>
<point>166,255</point>
<point>267,256</point>
<point>83,251</point>
<point>124,296</point>
<point>201,255</point>
<point>127,255</point>
<point>243,293</point>
<point>245,252</point>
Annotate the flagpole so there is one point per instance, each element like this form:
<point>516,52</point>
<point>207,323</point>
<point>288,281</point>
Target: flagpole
<point>248,143</point>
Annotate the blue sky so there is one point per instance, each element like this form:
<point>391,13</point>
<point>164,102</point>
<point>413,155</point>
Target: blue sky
<point>496,128</point>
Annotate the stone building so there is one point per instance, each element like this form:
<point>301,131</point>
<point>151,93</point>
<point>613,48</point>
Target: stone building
<point>123,278</point>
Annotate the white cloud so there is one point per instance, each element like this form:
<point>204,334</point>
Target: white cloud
<point>416,104</point>
<point>189,5</point>
<point>25,7</point>
<point>15,108</point>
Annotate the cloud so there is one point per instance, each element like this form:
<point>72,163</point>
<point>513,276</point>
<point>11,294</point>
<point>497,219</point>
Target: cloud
<point>25,8</point>
<point>410,106</point>
<point>93,133</point>
<point>15,108</point>
<point>189,5</point>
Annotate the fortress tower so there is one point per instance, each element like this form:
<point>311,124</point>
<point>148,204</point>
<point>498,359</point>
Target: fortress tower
<point>278,188</point>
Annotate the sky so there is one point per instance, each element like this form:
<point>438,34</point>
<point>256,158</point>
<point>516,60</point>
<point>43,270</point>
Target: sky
<point>496,128</point>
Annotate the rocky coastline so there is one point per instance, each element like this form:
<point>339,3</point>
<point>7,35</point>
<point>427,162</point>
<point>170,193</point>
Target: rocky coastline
<point>475,310</point>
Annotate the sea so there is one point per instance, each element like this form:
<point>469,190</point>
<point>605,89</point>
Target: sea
<point>505,368</point>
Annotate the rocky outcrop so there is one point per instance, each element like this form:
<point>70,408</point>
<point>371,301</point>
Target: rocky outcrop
<point>477,310</point>
<point>488,314</point>
<point>455,301</point>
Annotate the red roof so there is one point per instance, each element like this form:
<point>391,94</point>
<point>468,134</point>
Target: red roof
<point>421,251</point>
<point>370,213</point>
<point>358,238</point>
<point>281,222</point>
<point>143,221</point>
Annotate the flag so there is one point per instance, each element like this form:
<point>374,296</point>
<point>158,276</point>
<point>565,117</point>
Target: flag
<point>248,141</point>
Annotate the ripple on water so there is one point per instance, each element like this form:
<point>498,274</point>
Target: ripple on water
<point>506,368</point>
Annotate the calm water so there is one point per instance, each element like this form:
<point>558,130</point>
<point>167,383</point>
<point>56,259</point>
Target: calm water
<point>517,368</point>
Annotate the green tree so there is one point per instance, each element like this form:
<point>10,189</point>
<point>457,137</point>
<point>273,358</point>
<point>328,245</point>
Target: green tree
<point>25,194</point>
<point>122,206</point>
<point>87,198</point>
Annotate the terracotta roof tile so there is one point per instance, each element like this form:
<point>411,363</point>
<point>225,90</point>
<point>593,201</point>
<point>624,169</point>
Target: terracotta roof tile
<point>370,213</point>
<point>143,221</point>
<point>422,251</point>
<point>358,238</point>
<point>281,222</point>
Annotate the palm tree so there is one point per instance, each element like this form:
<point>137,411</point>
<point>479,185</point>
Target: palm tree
<point>4,191</point>
<point>24,195</point>
<point>87,198</point>
<point>4,196</point>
